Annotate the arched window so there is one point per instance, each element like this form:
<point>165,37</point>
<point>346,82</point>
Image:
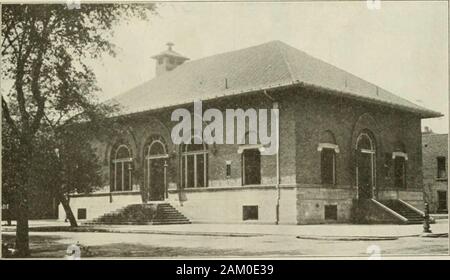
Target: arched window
<point>194,165</point>
<point>156,148</point>
<point>122,166</point>
<point>365,142</point>
<point>328,149</point>
<point>399,156</point>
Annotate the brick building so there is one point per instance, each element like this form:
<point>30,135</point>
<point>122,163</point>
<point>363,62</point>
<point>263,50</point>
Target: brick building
<point>435,175</point>
<point>343,141</point>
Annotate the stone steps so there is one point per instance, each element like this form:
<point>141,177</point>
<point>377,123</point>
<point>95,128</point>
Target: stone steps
<point>142,214</point>
<point>413,217</point>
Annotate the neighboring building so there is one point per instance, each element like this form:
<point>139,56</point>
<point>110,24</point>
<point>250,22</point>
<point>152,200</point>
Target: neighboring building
<point>342,140</point>
<point>435,170</point>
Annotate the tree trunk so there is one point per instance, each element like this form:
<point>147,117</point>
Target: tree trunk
<point>22,239</point>
<point>21,199</point>
<point>67,209</point>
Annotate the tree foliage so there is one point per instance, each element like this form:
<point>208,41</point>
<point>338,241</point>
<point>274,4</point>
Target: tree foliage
<point>44,54</point>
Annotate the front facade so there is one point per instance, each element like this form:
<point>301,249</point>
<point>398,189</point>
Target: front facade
<point>340,139</point>
<point>435,175</point>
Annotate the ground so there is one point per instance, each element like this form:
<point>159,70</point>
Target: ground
<point>264,241</point>
<point>114,245</point>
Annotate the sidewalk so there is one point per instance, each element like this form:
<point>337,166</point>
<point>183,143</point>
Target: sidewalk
<point>325,231</point>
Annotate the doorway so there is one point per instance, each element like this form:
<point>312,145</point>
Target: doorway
<point>251,167</point>
<point>156,160</point>
<point>156,178</point>
<point>365,166</point>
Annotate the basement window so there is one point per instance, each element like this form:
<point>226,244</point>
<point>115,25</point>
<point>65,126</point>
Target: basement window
<point>250,212</point>
<point>331,212</point>
<point>82,213</point>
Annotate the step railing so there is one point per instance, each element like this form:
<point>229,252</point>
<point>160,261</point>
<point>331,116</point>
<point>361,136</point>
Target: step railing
<point>418,211</point>
<point>389,210</point>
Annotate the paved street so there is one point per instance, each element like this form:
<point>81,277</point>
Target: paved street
<point>201,240</point>
<point>54,245</point>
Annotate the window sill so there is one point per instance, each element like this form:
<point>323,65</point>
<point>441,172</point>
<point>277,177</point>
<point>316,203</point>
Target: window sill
<point>212,189</point>
<point>115,193</point>
<point>441,179</point>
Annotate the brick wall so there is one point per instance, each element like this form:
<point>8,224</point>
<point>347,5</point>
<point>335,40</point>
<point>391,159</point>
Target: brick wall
<point>304,115</point>
<point>316,113</point>
<point>434,146</point>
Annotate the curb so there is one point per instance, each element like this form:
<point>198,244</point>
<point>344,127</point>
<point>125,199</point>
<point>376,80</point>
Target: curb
<point>106,230</point>
<point>352,238</point>
<point>222,234</point>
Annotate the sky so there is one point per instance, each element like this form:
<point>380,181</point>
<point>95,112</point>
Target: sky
<point>402,47</point>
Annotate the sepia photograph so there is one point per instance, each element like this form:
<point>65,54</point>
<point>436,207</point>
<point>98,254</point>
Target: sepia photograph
<point>224,130</point>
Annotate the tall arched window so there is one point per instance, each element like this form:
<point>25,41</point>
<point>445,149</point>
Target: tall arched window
<point>122,166</point>
<point>328,150</point>
<point>194,166</point>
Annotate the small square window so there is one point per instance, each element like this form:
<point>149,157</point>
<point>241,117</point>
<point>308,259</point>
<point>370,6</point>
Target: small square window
<point>250,212</point>
<point>81,215</point>
<point>331,212</point>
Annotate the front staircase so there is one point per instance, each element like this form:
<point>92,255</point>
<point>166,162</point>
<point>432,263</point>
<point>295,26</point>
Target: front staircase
<point>142,214</point>
<point>412,216</point>
<point>393,211</point>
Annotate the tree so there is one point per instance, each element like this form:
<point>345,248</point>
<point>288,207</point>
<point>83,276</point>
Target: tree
<point>78,167</point>
<point>44,53</point>
<point>62,163</point>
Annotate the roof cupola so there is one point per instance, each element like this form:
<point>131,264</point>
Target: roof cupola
<point>168,60</point>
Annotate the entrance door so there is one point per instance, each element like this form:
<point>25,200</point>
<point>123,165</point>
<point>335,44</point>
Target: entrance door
<point>156,182</point>
<point>365,165</point>
<point>251,160</point>
<point>155,168</point>
<point>365,175</point>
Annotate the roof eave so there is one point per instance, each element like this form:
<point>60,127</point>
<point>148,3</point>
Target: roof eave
<point>424,114</point>
<point>177,56</point>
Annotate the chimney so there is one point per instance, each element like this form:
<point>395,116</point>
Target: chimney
<point>168,60</point>
<point>427,130</point>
